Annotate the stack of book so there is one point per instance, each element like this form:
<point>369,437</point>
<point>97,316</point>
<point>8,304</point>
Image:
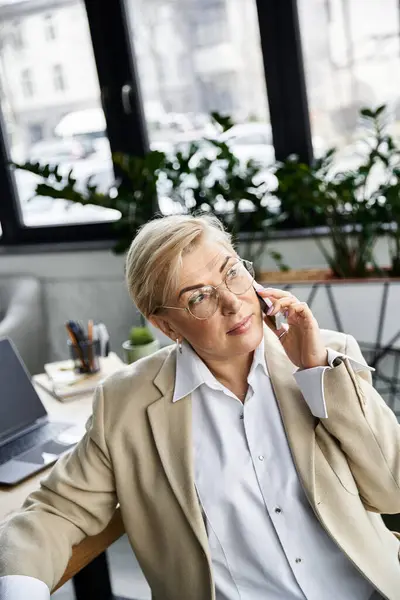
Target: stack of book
<point>64,383</point>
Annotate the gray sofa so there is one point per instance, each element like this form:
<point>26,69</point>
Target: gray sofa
<point>22,319</point>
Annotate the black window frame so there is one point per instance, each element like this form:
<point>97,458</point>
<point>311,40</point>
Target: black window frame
<point>126,125</point>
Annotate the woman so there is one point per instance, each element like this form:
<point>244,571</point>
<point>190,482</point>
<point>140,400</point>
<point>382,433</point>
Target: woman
<point>248,463</point>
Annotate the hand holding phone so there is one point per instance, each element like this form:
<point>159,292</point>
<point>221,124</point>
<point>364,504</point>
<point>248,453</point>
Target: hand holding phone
<point>278,320</point>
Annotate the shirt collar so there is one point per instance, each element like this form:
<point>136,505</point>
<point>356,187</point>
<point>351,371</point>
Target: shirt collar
<point>191,372</point>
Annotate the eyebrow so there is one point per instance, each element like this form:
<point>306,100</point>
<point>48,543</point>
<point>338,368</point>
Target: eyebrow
<point>199,285</point>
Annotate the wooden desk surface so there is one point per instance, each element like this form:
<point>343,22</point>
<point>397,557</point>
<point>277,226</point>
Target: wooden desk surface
<point>74,411</point>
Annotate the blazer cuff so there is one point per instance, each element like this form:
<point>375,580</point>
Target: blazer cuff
<point>311,381</point>
<point>21,587</point>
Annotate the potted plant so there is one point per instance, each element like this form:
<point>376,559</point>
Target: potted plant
<point>207,176</point>
<point>141,343</point>
<point>352,208</point>
<point>352,205</point>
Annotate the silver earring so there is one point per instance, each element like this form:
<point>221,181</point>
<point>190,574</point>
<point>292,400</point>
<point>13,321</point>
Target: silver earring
<point>179,345</point>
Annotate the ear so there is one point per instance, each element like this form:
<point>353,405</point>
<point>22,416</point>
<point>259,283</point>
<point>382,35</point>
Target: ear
<point>165,326</point>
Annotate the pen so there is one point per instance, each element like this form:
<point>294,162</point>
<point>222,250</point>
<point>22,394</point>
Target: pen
<point>75,334</point>
<point>71,335</point>
<point>90,330</point>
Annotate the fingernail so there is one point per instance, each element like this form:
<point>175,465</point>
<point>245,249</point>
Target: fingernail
<point>270,310</point>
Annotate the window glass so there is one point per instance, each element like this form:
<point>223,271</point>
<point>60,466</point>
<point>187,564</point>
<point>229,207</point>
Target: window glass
<point>58,78</point>
<point>196,57</point>
<point>50,30</point>
<point>352,57</point>
<point>50,104</point>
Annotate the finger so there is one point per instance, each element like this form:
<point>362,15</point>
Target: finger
<point>273,293</point>
<point>282,304</point>
<point>302,310</point>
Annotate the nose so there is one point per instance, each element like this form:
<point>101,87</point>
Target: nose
<point>230,303</point>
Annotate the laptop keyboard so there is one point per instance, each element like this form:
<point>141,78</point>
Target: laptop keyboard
<point>30,440</point>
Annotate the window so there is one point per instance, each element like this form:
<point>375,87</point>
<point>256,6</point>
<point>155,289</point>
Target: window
<point>218,92</point>
<point>48,128</point>
<point>17,36</point>
<point>352,58</point>
<point>49,28</point>
<point>184,75</point>
<point>211,24</point>
<point>27,83</point>
<point>58,78</point>
<point>194,58</point>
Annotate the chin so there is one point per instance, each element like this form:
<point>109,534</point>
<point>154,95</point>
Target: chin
<point>251,339</point>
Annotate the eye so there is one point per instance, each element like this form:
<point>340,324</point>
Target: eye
<point>233,272</point>
<point>202,295</point>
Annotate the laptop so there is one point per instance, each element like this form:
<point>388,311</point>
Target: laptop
<point>29,440</point>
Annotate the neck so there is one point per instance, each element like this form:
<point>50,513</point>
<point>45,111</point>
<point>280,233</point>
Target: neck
<point>232,374</point>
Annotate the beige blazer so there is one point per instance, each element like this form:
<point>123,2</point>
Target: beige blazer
<point>138,452</point>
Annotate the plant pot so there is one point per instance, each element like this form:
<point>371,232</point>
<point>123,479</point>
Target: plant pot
<point>318,275</point>
<point>295,275</point>
<point>133,353</point>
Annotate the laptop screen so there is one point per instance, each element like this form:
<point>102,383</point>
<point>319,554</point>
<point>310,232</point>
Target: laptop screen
<point>20,405</point>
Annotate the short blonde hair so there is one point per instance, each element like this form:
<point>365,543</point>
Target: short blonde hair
<point>155,256</point>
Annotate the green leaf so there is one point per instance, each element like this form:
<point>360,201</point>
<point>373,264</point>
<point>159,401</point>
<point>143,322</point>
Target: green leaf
<point>367,112</point>
<point>380,110</point>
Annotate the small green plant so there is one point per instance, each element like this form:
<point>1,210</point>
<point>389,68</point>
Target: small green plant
<point>139,336</point>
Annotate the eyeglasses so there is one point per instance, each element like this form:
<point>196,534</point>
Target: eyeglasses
<point>203,303</point>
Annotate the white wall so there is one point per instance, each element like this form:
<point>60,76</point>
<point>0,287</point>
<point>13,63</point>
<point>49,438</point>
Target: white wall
<point>83,285</point>
<point>78,285</point>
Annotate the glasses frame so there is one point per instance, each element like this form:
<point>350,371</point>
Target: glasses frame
<point>215,287</point>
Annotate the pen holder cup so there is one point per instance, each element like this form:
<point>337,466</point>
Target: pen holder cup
<point>85,356</point>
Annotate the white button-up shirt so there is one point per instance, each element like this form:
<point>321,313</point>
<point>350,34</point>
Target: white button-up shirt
<point>265,540</point>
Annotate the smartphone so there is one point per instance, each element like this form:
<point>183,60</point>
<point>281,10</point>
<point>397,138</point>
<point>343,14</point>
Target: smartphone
<point>276,320</point>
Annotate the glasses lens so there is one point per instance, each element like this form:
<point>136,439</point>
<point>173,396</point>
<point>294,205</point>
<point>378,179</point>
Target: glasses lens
<point>203,303</point>
<point>240,277</point>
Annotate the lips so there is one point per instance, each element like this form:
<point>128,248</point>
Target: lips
<point>239,324</point>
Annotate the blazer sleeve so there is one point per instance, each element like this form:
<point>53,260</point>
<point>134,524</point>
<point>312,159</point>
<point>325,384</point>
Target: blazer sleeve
<point>75,500</point>
<point>367,430</point>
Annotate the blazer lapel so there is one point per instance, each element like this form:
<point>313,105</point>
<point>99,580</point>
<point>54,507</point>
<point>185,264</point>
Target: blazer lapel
<point>297,418</point>
<point>171,424</point>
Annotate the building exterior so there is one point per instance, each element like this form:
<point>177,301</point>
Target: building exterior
<point>46,66</point>
<point>352,58</point>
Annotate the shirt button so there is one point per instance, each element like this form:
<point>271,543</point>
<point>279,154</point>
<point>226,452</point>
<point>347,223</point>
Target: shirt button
<point>261,457</point>
<point>298,560</point>
<point>278,510</point>
<point>242,417</point>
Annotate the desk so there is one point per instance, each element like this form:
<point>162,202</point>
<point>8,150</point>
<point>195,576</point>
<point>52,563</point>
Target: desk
<point>93,581</point>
